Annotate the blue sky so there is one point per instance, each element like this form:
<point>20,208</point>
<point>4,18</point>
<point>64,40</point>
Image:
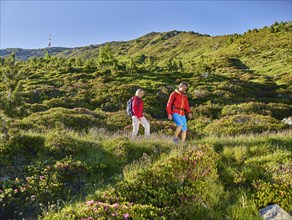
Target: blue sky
<point>27,24</point>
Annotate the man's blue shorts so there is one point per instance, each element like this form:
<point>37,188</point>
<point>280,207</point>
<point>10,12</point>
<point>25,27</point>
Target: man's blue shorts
<point>180,120</point>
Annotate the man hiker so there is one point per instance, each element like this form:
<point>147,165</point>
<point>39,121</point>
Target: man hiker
<point>137,114</point>
<point>177,107</point>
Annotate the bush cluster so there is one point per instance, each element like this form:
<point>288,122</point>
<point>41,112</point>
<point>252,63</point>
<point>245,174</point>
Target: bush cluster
<point>244,124</point>
<point>44,185</point>
<point>172,188</point>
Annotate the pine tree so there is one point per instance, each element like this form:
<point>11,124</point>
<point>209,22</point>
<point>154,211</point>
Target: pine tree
<point>105,57</point>
<point>12,76</point>
<point>180,66</point>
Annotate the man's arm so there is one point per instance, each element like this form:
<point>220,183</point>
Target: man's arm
<point>188,110</point>
<point>169,106</point>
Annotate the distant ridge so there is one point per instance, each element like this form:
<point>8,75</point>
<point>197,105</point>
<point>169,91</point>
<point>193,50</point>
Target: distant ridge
<point>186,45</point>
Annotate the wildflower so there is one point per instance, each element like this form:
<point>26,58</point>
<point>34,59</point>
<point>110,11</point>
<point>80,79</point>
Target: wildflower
<point>42,177</point>
<point>114,214</point>
<point>22,189</point>
<point>105,208</point>
<point>185,158</point>
<point>195,162</point>
<point>28,178</point>
<point>16,190</point>
<point>32,197</point>
<point>1,191</point>
<point>282,194</point>
<point>94,208</point>
<point>90,203</point>
<point>116,205</point>
<point>126,216</point>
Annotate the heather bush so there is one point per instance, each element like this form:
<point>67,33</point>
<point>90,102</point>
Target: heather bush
<point>208,110</point>
<point>276,110</point>
<point>21,148</point>
<point>244,124</point>
<point>280,110</point>
<point>173,187</point>
<point>77,119</point>
<point>117,121</point>
<point>246,108</point>
<point>44,186</point>
<point>174,183</point>
<point>278,189</point>
<point>59,144</point>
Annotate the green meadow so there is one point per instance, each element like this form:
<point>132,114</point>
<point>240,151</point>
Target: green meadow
<point>65,146</point>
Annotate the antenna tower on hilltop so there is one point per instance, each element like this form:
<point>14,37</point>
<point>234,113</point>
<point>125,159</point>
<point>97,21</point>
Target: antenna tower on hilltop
<point>49,44</point>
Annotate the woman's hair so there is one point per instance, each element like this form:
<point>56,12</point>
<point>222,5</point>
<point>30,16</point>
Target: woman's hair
<point>138,91</point>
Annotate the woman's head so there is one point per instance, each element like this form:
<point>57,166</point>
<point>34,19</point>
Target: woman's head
<point>140,93</point>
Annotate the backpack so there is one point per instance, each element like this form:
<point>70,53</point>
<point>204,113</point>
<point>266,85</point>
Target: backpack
<point>129,107</point>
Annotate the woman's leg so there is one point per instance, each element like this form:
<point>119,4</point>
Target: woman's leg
<point>136,124</point>
<point>146,126</point>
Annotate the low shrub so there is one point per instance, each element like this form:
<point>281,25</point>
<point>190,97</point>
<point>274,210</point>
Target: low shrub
<point>279,189</point>
<point>103,210</point>
<point>244,124</point>
<point>122,151</point>
<point>208,110</point>
<point>172,183</point>
<point>117,121</point>
<point>173,187</point>
<point>77,119</point>
<point>21,147</point>
<point>276,110</point>
<point>45,185</point>
<point>280,110</point>
<point>246,108</point>
<point>59,144</point>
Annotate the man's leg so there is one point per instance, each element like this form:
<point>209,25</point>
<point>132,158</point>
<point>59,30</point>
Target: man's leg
<point>177,131</point>
<point>184,128</point>
<point>183,136</point>
<point>177,120</point>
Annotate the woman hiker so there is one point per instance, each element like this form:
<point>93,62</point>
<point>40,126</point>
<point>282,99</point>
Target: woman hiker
<point>137,114</point>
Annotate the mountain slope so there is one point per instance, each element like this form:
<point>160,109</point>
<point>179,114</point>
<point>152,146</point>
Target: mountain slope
<point>266,51</point>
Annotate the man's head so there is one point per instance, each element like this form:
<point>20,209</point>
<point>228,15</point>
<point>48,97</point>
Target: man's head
<point>183,86</point>
<point>140,93</point>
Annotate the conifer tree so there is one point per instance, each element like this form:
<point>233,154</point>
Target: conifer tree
<point>180,66</point>
<point>106,58</point>
<point>11,76</point>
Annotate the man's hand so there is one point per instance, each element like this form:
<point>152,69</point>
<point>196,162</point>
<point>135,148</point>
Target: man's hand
<point>190,115</point>
<point>170,117</point>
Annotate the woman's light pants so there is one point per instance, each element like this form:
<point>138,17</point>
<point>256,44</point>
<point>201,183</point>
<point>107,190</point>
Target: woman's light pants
<point>136,124</point>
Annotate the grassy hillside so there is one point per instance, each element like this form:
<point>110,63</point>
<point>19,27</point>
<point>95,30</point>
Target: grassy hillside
<point>101,175</point>
<point>65,151</point>
<point>264,51</point>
